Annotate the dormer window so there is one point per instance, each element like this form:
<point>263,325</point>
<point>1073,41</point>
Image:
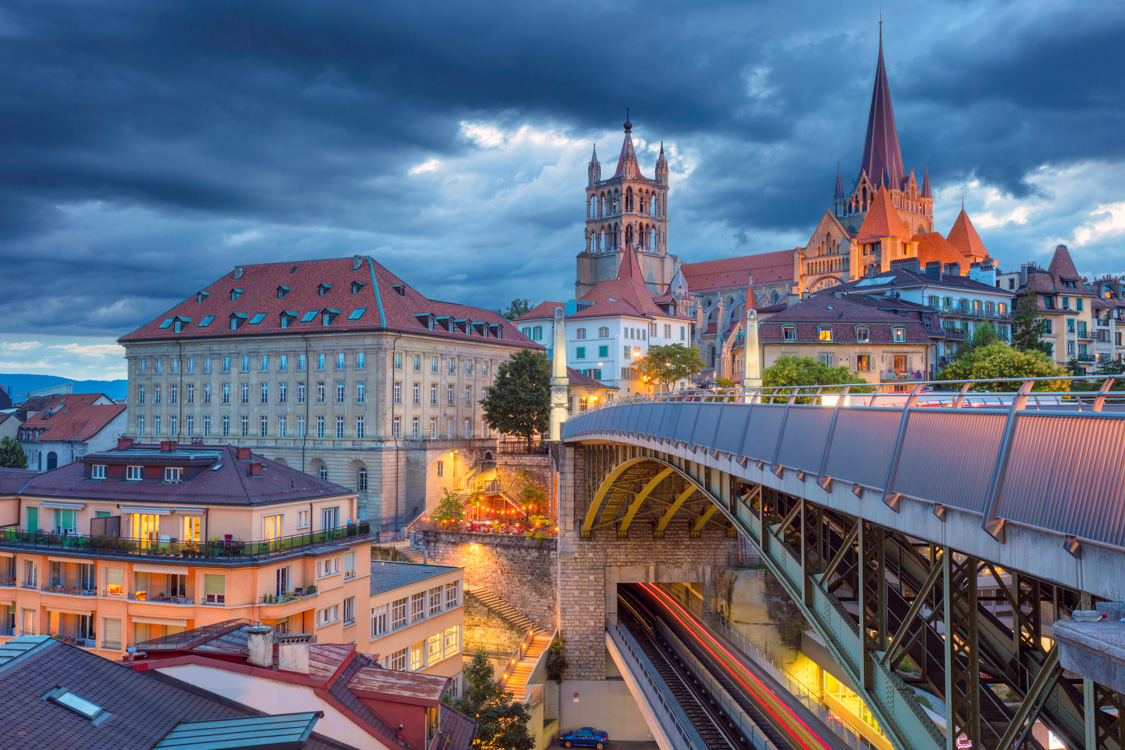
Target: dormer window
<point>899,334</point>
<point>282,291</point>
<point>97,471</point>
<point>134,473</point>
<point>789,333</point>
<point>173,474</point>
<point>287,317</point>
<point>400,288</point>
<point>235,294</point>
<point>323,289</point>
<point>237,320</point>
<point>863,335</point>
<point>825,333</point>
<point>328,315</point>
<point>200,296</point>
<point>356,287</point>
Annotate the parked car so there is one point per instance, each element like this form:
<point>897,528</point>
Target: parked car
<point>707,385</point>
<point>585,737</point>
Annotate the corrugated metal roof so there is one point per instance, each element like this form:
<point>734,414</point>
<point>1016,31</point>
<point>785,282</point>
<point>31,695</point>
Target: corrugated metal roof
<point>862,445</point>
<point>802,443</point>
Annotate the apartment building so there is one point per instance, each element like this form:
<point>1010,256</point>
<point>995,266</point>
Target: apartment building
<point>1109,318</point>
<point>149,540</point>
<point>335,367</point>
<point>1066,301</point>
<point>417,614</point>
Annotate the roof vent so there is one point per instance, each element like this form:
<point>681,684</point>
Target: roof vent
<point>242,454</point>
<point>400,288</point>
<point>238,272</point>
<point>357,262</point>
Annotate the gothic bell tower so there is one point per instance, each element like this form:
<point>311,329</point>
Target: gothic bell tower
<point>626,209</point>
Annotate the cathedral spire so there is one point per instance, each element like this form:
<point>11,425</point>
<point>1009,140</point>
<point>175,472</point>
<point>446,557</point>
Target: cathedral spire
<point>662,167</point>
<point>594,171</point>
<point>882,154</point>
<point>839,184</point>
<point>627,162</point>
<point>926,183</point>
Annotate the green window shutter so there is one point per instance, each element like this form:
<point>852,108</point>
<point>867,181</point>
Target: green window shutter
<point>603,351</point>
<point>579,353</point>
<point>32,519</point>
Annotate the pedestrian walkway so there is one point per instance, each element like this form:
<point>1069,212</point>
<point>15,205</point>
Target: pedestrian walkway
<point>518,675</point>
<point>509,614</point>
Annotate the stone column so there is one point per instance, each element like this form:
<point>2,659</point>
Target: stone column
<point>751,353</point>
<point>559,380</point>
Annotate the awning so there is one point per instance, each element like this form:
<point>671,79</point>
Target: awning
<point>160,621</point>
<point>190,511</point>
<point>168,570</point>
<point>70,560</point>
<point>71,610</point>
<point>61,506</point>
<point>139,510</point>
<point>7,554</point>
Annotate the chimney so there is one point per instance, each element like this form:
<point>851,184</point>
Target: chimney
<point>255,468</point>
<point>237,272</point>
<point>259,639</point>
<point>242,454</point>
<point>791,299</point>
<point>293,652</point>
<point>357,262</point>
<point>167,446</point>
<point>123,443</point>
<point>933,269</point>
<point>952,269</point>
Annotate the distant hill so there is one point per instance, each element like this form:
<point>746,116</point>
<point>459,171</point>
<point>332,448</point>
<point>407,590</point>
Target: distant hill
<point>20,384</point>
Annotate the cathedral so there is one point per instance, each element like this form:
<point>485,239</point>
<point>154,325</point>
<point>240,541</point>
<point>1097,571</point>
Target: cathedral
<point>628,209</point>
<point>887,215</point>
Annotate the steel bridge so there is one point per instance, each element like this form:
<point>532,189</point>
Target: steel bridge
<point>882,513</point>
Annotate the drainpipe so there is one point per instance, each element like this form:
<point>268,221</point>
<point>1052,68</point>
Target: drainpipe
<point>305,437</point>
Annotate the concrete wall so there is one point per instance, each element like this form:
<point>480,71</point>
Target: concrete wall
<point>520,571</point>
<point>603,704</point>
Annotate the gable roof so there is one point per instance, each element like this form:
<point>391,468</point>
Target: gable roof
<point>624,295</point>
<point>734,273</point>
<point>577,380</point>
<point>74,418</point>
<point>963,236</point>
<point>542,311</point>
<point>882,220</point>
<point>843,315</point>
<point>380,301</point>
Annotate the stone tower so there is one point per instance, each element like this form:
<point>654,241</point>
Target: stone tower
<point>626,209</point>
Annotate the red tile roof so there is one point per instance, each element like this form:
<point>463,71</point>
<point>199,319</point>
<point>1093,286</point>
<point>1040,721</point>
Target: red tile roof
<point>881,221</point>
<point>734,273</point>
<point>963,236</point>
<point>270,290</point>
<point>13,480</point>
<point>73,417</point>
<point>578,380</point>
<point>542,311</point>
<point>213,475</point>
<point>933,247</point>
<point>843,316</point>
<point>625,295</point>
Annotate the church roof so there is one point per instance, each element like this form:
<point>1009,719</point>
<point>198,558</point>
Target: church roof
<point>882,155</point>
<point>733,273</point>
<point>882,220</point>
<point>932,246</point>
<point>926,184</point>
<point>625,295</point>
<point>964,237</point>
<point>628,156</point>
<point>839,194</point>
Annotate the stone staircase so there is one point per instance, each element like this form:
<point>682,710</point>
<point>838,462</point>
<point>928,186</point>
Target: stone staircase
<point>515,680</point>
<point>506,612</point>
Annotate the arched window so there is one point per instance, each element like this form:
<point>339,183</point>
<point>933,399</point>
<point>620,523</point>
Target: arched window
<point>361,481</point>
<point>713,356</point>
<point>52,460</point>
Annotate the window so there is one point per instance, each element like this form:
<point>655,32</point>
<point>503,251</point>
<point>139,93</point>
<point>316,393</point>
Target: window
<point>265,395</point>
<point>433,393</point>
<point>683,330</point>
<point>789,333</point>
<point>349,611</point>
<point>327,567</point>
<point>173,474</point>
<point>244,426</point>
<point>863,363</point>
<point>484,369</point>
<point>449,428</point>
<point>159,362</point>
<point>301,361</point>
<point>244,391</point>
<point>207,365</point>
<point>417,363</point>
<point>416,656</point>
<point>468,428</point>
<point>115,581</point>
<point>320,393</point>
<point>398,614</point>
<point>282,426</point>
<point>214,589</point>
<point>282,393</point>
<point>435,601</point>
<point>141,366</point>
<point>263,427</point>
<point>452,640</point>
<point>417,606</point>
<point>453,595</point>
<point>207,393</point>
<point>189,393</point>
<point>226,364</point>
<point>282,362</point>
<point>468,367</point>
<point>580,333</point>
<point>300,393</point>
<point>320,427</point>
<point>272,527</point>
<point>156,395</point>
<point>449,395</point>
<point>359,435</point>
<point>452,365</point>
<point>398,360</point>
<point>97,471</point>
<point>207,427</point>
<point>396,427</point>
<point>134,473</point>
<point>320,361</point>
<point>415,394</point>
<point>899,334</point>
<point>360,360</point>
<point>360,392</point>
<point>468,396</point>
<point>433,649</point>
<point>825,333</point>
<point>603,351</point>
<point>264,366</point>
<point>66,520</point>
<point>339,360</point>
<point>226,393</point>
<point>140,394</point>
<point>245,364</point>
<point>328,615</point>
<point>580,352</point>
<point>226,426</point>
<point>340,392</point>
<point>826,358</point>
<point>77,704</point>
<point>397,393</point>
<point>414,428</point>
<point>303,519</point>
<point>441,468</point>
<point>339,427</point>
<point>433,427</point>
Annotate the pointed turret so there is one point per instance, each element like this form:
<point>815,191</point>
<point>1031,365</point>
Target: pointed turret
<point>627,162</point>
<point>630,269</point>
<point>964,237</point>
<point>839,195</point>
<point>595,169</point>
<point>662,167</point>
<point>882,155</point>
<point>926,183</point>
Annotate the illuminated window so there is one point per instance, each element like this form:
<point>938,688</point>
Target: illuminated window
<point>825,333</point>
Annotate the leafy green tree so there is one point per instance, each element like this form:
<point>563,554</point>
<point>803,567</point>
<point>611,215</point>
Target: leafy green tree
<point>532,498</point>
<point>516,309</point>
<point>1110,367</point>
<point>983,335</point>
<point>999,360</point>
<point>791,371</point>
<point>502,721</point>
<point>1028,326</point>
<point>557,663</point>
<point>12,455</point>
<point>519,401</point>
<point>665,365</point>
<point>451,507</point>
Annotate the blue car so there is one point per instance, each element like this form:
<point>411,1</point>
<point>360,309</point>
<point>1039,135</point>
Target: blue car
<point>585,737</point>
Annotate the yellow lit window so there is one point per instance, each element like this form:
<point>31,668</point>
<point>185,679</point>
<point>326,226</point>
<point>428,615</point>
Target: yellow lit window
<point>271,527</point>
<point>825,334</point>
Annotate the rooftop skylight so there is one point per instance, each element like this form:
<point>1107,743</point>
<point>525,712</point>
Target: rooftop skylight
<point>357,313</point>
<point>77,704</point>
<point>206,321</point>
<point>309,316</point>
<point>257,319</point>
<point>167,322</point>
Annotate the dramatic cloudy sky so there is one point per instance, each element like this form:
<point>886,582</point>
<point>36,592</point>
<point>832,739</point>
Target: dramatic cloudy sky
<point>148,146</point>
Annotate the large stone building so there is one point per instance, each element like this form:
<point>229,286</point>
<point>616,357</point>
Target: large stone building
<point>335,367</point>
<point>628,209</point>
<point>887,215</point>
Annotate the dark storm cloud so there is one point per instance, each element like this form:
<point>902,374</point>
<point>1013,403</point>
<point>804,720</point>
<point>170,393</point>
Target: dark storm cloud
<point>146,147</point>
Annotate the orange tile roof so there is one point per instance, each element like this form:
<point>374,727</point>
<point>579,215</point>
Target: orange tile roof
<point>731,273</point>
<point>882,221</point>
<point>932,246</point>
<point>963,236</point>
<point>542,311</point>
<point>73,417</point>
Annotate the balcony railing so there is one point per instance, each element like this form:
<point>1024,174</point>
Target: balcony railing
<point>153,598</point>
<point>225,551</point>
<point>111,645</point>
<point>295,595</point>
<point>69,591</point>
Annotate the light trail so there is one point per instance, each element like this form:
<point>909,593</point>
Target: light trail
<point>663,597</point>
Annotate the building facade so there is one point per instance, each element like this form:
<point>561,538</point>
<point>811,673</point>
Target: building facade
<point>335,367</point>
<point>150,540</point>
<point>68,426</point>
<point>1064,298</point>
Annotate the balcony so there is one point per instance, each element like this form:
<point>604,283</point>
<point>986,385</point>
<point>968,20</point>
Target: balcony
<point>227,552</point>
<point>1085,333</point>
<point>1086,358</point>
<point>278,606</point>
<point>69,591</point>
<point>161,598</point>
<point>954,334</point>
<point>890,376</point>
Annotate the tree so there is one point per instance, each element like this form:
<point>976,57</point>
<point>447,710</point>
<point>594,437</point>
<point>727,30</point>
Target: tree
<point>1028,326</point>
<point>557,663</point>
<point>1002,361</point>
<point>519,401</point>
<point>665,365</point>
<point>451,507</point>
<point>532,499</point>
<point>982,336</point>
<point>502,721</point>
<point>791,371</point>
<point>516,309</point>
<point>12,455</point>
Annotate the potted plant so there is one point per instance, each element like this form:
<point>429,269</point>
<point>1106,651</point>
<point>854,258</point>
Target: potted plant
<point>11,581</point>
<point>310,590</point>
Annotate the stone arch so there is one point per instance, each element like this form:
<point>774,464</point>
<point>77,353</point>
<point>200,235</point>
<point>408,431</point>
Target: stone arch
<point>318,468</point>
<point>358,476</point>
<point>280,461</point>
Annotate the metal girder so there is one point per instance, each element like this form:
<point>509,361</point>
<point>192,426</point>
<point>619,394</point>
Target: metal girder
<point>673,509</point>
<point>912,613</point>
<point>599,495</point>
<point>634,506</point>
<point>962,656</point>
<point>1033,702</point>
<point>703,519</point>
